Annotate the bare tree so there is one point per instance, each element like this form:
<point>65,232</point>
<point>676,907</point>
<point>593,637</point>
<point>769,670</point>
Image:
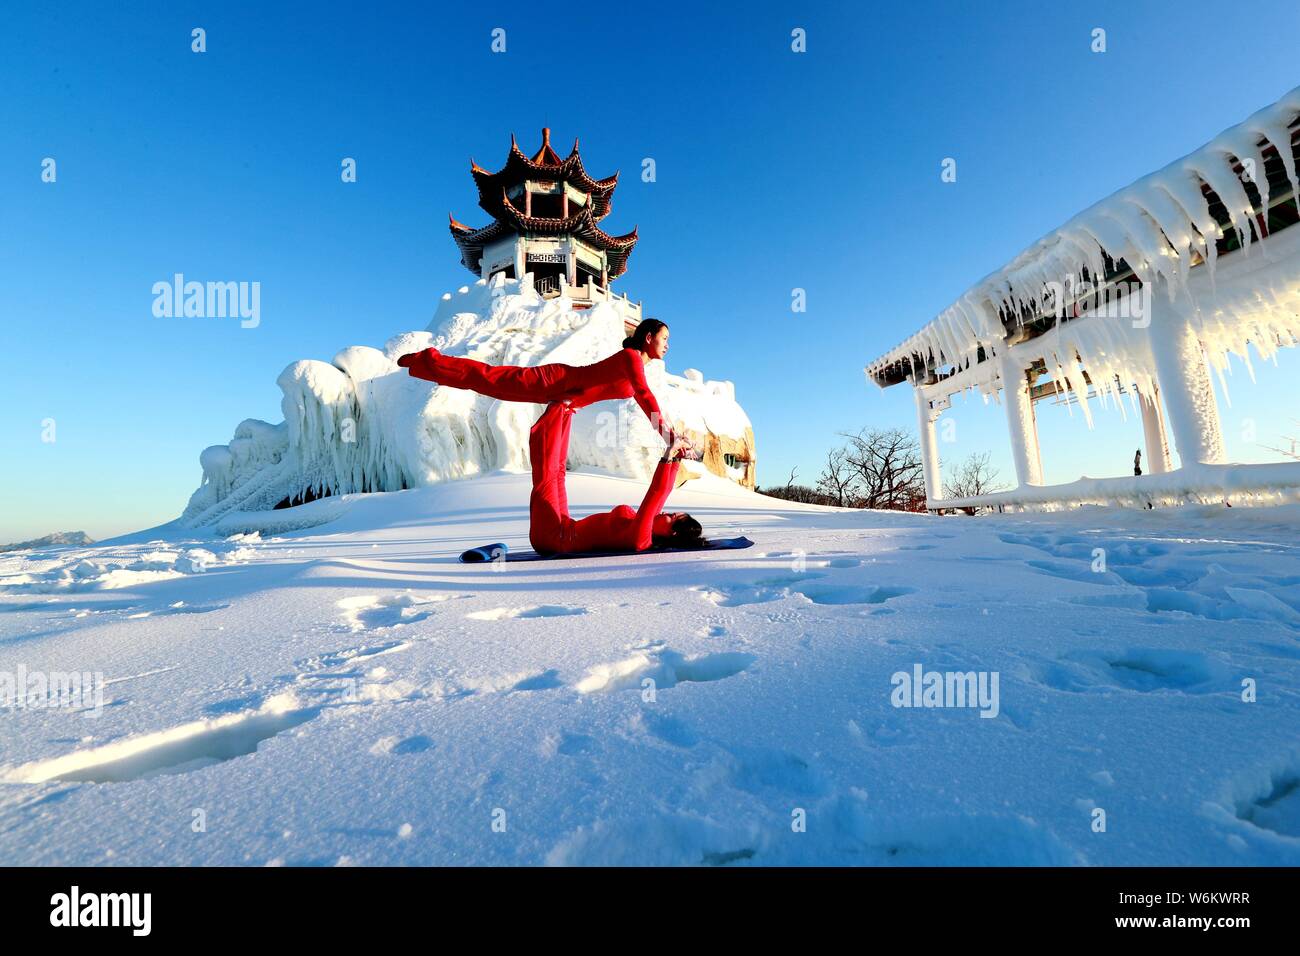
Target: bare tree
<point>838,480</point>
<point>792,492</point>
<point>797,493</point>
<point>973,477</point>
<point>1291,440</point>
<point>885,463</point>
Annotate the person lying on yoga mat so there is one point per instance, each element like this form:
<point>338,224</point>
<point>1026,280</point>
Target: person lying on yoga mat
<point>566,388</point>
<point>622,375</point>
<point>552,531</point>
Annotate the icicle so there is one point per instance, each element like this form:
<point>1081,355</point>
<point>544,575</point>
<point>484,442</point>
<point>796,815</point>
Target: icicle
<point>1216,169</point>
<point>1247,150</point>
<point>1280,136</point>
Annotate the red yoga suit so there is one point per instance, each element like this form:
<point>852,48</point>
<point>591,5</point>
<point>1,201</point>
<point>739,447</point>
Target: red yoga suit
<point>551,530</point>
<point>622,375</point>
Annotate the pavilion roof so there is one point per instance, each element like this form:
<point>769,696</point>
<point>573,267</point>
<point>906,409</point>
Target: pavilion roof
<point>544,166</point>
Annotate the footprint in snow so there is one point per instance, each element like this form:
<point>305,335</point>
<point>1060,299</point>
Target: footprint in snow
<point>820,593</point>
<point>567,744</point>
<point>666,668</point>
<point>349,655</point>
<point>1140,669</point>
<point>179,607</point>
<point>1082,573</point>
<point>671,730</point>
<point>408,745</point>
<point>960,839</point>
<point>543,681</point>
<point>738,595</point>
<point>760,769</point>
<point>527,611</point>
<point>1276,805</point>
<point>370,612</point>
<point>181,749</point>
<point>759,592</point>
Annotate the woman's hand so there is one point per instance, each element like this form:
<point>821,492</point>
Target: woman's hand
<point>680,447</point>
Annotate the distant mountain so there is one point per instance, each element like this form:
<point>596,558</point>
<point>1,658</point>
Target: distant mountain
<point>59,539</point>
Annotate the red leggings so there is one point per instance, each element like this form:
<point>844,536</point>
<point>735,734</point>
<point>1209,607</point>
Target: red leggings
<point>550,527</point>
<point>622,375</point>
<point>509,383</point>
<point>563,389</point>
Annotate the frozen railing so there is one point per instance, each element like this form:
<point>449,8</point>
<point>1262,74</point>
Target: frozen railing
<point>584,295</point>
<point>591,293</point>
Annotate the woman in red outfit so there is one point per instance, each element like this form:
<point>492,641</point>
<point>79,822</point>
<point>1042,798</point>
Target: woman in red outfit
<point>552,531</point>
<point>567,388</point>
<point>622,375</point>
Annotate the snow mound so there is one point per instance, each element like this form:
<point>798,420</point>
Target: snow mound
<point>361,424</point>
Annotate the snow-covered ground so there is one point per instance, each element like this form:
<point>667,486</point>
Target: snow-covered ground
<point>350,694</point>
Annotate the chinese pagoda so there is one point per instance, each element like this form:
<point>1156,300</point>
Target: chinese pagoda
<point>545,220</point>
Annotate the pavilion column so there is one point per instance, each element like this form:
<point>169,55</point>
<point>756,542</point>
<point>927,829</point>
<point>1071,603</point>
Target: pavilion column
<point>930,466</point>
<point>1184,384</point>
<point>1020,420</point>
<point>1153,430</point>
<point>521,258</point>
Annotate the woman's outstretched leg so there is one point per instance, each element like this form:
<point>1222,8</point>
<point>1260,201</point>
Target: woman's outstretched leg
<point>510,383</point>
<point>549,526</point>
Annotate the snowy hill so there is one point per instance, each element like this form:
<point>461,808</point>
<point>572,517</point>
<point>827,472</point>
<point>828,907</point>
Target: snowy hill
<point>351,694</point>
<point>58,539</point>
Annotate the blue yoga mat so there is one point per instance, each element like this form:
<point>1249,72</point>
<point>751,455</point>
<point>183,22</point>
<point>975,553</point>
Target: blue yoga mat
<point>500,552</point>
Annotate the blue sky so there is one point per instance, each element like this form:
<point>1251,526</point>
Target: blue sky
<point>775,170</point>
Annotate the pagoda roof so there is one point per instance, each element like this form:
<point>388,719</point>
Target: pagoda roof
<point>544,166</point>
<point>582,225</point>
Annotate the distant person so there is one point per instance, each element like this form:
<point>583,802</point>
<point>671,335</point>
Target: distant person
<point>1137,462</point>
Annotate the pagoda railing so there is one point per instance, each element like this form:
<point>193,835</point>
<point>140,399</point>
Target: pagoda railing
<point>585,295</point>
<point>591,293</point>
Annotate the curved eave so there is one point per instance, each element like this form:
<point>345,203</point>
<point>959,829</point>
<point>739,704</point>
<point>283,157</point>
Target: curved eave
<point>471,241</point>
<point>581,224</point>
<point>519,167</point>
